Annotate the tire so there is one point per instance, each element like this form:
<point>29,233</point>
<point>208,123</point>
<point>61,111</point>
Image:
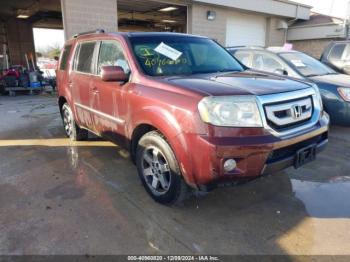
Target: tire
<point>159,171</point>
<point>2,90</point>
<point>73,131</point>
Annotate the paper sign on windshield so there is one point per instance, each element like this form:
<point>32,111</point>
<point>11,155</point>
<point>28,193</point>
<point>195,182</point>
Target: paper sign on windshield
<point>168,51</point>
<point>298,63</point>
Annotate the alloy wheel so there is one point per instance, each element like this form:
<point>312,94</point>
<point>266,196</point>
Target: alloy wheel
<point>156,171</point>
<point>67,120</point>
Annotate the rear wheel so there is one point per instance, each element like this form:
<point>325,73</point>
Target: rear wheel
<point>73,131</point>
<point>159,171</point>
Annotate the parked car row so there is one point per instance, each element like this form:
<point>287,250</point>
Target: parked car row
<point>191,115</point>
<point>334,86</point>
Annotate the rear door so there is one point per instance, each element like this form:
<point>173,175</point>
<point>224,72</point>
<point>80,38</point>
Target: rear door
<point>81,82</point>
<point>108,96</point>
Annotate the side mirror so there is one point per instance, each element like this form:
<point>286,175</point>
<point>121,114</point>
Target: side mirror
<point>281,72</point>
<point>113,74</point>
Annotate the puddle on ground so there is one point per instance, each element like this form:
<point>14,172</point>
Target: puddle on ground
<point>324,199</point>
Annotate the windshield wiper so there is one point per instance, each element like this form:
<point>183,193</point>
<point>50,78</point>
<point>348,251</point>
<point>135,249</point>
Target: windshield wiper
<point>330,73</point>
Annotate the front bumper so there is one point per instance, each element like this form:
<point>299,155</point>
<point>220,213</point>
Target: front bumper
<point>286,159</point>
<point>254,155</point>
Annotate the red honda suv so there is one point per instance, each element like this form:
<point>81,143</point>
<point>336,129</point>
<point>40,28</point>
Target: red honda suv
<point>189,113</point>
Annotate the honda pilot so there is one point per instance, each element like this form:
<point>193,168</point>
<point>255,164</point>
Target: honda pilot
<point>190,114</point>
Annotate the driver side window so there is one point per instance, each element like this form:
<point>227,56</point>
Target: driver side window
<point>111,54</point>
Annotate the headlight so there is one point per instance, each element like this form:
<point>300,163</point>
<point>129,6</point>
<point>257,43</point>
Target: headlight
<point>318,95</point>
<point>232,111</point>
<point>344,92</point>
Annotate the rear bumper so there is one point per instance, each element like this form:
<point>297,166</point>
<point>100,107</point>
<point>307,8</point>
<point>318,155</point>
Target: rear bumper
<point>254,155</point>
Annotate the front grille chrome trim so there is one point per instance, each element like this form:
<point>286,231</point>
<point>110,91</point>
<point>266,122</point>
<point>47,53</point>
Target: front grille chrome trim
<point>288,97</point>
<point>290,118</point>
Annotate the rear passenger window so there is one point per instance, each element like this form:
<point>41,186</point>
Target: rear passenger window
<point>111,54</point>
<point>65,55</point>
<point>85,58</point>
<point>337,52</point>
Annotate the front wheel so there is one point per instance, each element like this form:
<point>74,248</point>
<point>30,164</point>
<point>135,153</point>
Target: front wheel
<point>73,131</point>
<point>159,171</point>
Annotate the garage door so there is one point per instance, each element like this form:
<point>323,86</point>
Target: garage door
<point>246,29</point>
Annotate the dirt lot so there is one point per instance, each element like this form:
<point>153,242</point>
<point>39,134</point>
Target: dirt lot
<point>58,197</point>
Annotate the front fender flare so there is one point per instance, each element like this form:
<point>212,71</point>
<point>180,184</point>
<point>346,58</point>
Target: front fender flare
<point>171,129</point>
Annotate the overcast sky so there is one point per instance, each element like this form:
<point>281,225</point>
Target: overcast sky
<point>329,7</point>
<point>44,38</point>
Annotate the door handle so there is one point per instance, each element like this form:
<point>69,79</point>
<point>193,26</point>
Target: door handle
<point>95,90</point>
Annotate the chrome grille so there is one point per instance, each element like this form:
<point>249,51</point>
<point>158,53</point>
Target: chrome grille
<point>284,125</point>
<point>289,113</point>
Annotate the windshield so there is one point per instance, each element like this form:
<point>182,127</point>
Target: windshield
<point>179,55</point>
<point>306,65</point>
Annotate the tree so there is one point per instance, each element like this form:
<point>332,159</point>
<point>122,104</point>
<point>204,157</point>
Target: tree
<point>50,51</point>
<point>54,52</point>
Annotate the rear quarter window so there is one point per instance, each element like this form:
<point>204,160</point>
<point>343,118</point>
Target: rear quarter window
<point>65,56</point>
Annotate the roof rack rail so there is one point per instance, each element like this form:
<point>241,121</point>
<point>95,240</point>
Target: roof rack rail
<point>97,31</point>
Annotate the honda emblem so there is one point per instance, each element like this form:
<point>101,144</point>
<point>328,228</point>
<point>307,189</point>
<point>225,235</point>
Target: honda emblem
<point>297,111</point>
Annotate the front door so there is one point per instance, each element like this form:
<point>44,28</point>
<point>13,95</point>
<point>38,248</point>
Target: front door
<point>108,96</point>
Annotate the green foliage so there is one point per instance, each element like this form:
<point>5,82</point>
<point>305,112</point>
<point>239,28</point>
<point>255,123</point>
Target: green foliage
<point>54,52</point>
<point>50,51</point>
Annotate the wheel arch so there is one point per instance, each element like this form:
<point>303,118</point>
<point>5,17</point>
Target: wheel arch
<point>176,141</point>
<point>137,133</point>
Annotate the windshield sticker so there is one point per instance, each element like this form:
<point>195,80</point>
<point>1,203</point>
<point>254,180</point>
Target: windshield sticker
<point>163,62</point>
<point>298,63</point>
<point>168,51</point>
<point>145,52</point>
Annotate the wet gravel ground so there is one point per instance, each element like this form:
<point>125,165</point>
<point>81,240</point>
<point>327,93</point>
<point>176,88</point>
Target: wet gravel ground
<point>59,197</point>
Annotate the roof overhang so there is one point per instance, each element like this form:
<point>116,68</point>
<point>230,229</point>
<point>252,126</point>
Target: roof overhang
<point>281,8</point>
<point>321,31</point>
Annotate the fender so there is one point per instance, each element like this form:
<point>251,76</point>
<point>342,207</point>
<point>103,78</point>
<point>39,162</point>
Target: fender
<point>169,126</point>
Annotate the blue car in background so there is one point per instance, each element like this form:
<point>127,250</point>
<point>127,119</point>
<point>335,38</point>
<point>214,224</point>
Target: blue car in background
<point>334,87</point>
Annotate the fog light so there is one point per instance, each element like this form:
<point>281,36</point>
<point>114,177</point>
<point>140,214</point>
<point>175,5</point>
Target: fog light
<point>229,165</point>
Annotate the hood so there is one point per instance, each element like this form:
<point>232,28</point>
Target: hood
<point>237,83</point>
<point>336,79</point>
